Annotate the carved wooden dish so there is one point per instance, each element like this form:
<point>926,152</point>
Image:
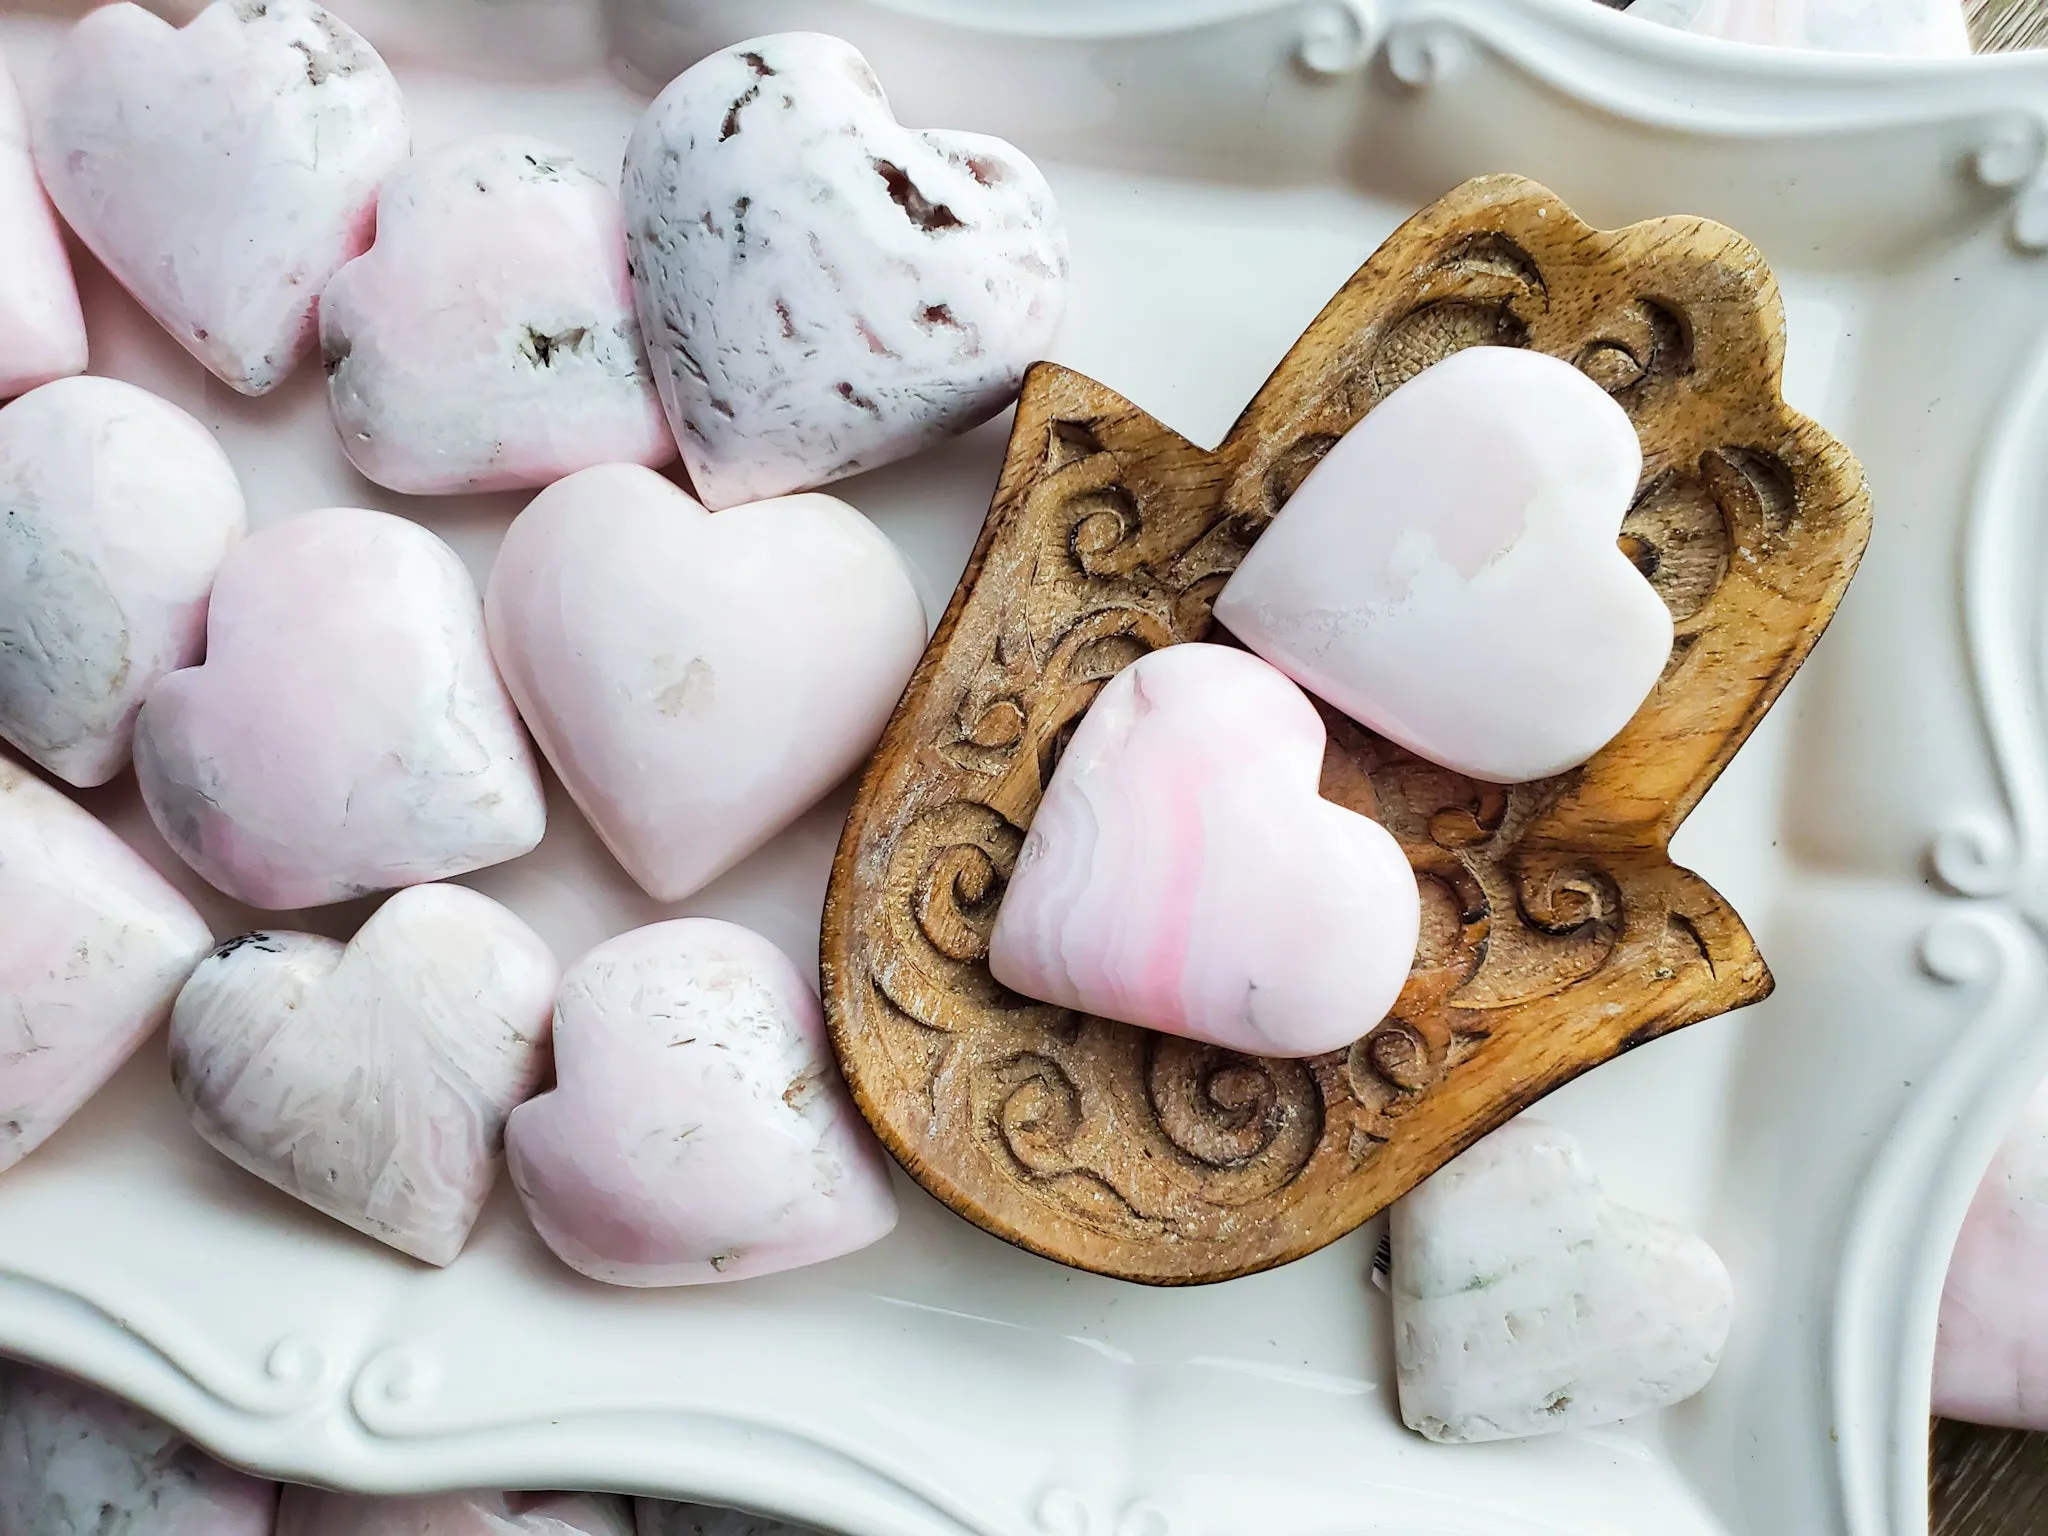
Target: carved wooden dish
<point>1557,933</point>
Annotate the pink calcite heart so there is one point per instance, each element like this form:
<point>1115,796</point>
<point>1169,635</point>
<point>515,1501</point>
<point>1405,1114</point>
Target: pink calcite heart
<point>372,1080</point>
<point>225,171</point>
<point>822,289</point>
<point>312,1512</point>
<point>94,945</point>
<point>698,680</point>
<point>487,341</point>
<point>1448,574</point>
<point>116,510</point>
<point>42,330</point>
<point>348,733</point>
<point>1991,1352</point>
<point>1183,873</point>
<point>701,1130</point>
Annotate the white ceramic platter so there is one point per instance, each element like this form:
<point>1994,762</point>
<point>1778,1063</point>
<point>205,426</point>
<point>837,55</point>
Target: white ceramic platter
<point>1225,165</point>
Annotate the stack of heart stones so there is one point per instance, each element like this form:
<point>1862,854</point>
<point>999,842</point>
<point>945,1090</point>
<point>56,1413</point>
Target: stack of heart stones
<point>790,288</point>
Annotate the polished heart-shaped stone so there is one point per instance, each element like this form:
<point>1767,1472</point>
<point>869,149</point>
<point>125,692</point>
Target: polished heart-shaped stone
<point>1448,575</point>
<point>1526,1302</point>
<point>822,289</point>
<point>1991,1348</point>
<point>487,341</point>
<point>116,510</point>
<point>372,1080</point>
<point>42,329</point>
<point>75,1462</point>
<point>94,945</point>
<point>348,733</point>
<point>700,1130</point>
<point>1183,873</point>
<point>223,171</point>
<point>698,680</point>
<point>314,1512</point>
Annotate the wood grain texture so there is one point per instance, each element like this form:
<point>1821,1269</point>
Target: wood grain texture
<point>1557,932</point>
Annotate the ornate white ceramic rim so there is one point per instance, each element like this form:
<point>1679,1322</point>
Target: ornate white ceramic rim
<point>323,1420</point>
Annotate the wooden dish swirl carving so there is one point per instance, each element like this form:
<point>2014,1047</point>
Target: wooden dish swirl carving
<point>1557,933</point>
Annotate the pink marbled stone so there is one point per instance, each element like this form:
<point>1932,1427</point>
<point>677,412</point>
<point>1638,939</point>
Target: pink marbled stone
<point>42,329</point>
<point>1448,575</point>
<point>94,945</point>
<point>1183,873</point>
<point>75,1462</point>
<point>823,290</point>
<point>348,733</point>
<point>698,681</point>
<point>487,341</point>
<point>1991,1351</point>
<point>311,1512</point>
<point>701,1131</point>
<point>223,171</point>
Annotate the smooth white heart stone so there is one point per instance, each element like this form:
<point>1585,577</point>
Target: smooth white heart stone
<point>823,290</point>
<point>1926,28</point>
<point>698,681</point>
<point>1183,873</point>
<point>311,1512</point>
<point>42,329</point>
<point>225,171</point>
<point>116,510</point>
<point>372,1080</point>
<point>1525,1302</point>
<point>659,1518</point>
<point>701,1130</point>
<point>75,1462</point>
<point>1991,1351</point>
<point>487,341</point>
<point>1448,575</point>
<point>94,945</point>
<point>348,733</point>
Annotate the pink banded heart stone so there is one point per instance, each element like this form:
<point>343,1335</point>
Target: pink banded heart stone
<point>1183,873</point>
<point>42,329</point>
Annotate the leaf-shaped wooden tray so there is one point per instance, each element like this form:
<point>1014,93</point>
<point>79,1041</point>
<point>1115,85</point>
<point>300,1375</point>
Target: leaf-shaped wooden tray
<point>1557,933</point>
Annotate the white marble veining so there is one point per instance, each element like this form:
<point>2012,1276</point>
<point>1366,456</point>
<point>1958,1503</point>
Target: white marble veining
<point>347,733</point>
<point>311,1512</point>
<point>116,510</point>
<point>823,290</point>
<point>700,1130</point>
<point>75,1462</point>
<point>94,945</point>
<point>223,171</point>
<point>656,1517</point>
<point>698,681</point>
<point>1183,873</point>
<point>487,342</point>
<point>372,1080</point>
<point>42,329</point>
<point>1526,1302</point>
<point>1448,574</point>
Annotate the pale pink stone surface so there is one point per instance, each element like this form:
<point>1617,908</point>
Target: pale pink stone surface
<point>75,1462</point>
<point>42,329</point>
<point>348,733</point>
<point>311,1512</point>
<point>823,290</point>
<point>1448,574</point>
<point>701,1130</point>
<point>116,510</point>
<point>487,341</point>
<point>1926,28</point>
<point>1991,1351</point>
<point>372,1080</point>
<point>94,945</point>
<point>698,680</point>
<point>1183,873</point>
<point>223,171</point>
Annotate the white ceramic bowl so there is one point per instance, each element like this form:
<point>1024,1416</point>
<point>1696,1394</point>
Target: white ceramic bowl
<point>1225,165</point>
